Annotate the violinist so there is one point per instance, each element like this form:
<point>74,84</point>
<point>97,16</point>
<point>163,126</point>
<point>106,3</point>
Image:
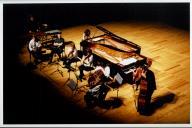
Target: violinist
<point>84,44</point>
<point>57,47</point>
<point>86,63</point>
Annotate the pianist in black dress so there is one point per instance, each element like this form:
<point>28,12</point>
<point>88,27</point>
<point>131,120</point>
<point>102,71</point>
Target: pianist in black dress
<point>57,47</point>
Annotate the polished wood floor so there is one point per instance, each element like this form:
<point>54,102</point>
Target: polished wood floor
<point>170,51</point>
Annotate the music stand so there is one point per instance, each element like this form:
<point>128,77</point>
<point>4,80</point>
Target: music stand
<point>72,85</point>
<point>68,61</point>
<point>77,87</point>
<point>69,69</point>
<point>58,65</point>
<point>58,70</point>
<point>119,80</point>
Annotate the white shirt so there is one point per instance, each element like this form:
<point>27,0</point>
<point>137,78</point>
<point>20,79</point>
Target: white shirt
<point>106,70</point>
<point>34,45</point>
<point>87,61</point>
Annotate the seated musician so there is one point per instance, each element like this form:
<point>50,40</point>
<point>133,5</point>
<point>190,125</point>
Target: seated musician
<point>85,40</point>
<point>72,51</point>
<point>35,49</point>
<point>98,82</point>
<point>71,54</point>
<point>86,63</point>
<point>105,68</point>
<point>57,47</point>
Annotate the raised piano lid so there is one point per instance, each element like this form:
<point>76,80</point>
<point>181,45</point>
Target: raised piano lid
<point>114,40</point>
<point>110,41</point>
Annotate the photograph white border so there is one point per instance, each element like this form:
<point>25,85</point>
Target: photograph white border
<point>80,1</point>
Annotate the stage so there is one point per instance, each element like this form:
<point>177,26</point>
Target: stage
<point>167,46</point>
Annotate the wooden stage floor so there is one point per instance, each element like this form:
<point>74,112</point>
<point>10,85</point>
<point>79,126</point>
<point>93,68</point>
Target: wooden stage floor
<point>169,48</point>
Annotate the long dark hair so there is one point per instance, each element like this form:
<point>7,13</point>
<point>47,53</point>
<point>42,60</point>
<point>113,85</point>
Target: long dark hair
<point>87,32</point>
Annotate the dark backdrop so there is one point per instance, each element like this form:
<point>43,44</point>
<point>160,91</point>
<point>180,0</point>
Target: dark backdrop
<point>29,98</point>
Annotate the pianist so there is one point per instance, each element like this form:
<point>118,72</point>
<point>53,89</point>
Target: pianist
<point>57,47</point>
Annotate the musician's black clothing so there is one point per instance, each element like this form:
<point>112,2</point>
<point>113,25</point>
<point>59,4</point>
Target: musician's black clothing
<point>151,80</point>
<point>96,95</point>
<point>151,83</point>
<point>82,68</point>
<point>59,40</point>
<point>87,61</point>
<point>57,49</point>
<point>37,56</point>
<point>84,45</point>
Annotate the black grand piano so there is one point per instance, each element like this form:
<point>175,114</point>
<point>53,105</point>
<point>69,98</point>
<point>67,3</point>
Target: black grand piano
<point>124,58</point>
<point>120,53</point>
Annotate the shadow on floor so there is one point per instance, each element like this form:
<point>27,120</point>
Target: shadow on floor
<point>112,103</point>
<point>161,102</point>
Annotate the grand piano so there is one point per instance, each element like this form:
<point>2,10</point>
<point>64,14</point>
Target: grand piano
<point>121,54</point>
<point>123,57</point>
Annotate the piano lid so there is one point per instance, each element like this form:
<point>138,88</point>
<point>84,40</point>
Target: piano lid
<point>118,39</point>
<point>107,40</point>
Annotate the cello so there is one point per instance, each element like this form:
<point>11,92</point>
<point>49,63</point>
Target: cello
<point>95,78</point>
<point>139,78</point>
<point>143,98</point>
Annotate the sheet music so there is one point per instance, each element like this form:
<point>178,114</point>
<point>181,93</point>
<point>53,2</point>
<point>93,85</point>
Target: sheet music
<point>128,61</point>
<point>97,39</point>
<point>72,84</point>
<point>118,78</point>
